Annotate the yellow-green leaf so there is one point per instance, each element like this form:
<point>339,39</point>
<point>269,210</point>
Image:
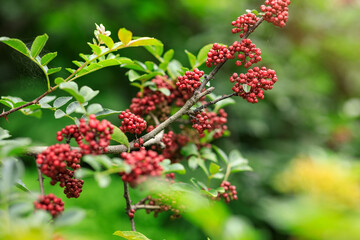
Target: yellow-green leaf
<point>145,41</point>
<point>38,45</point>
<point>16,44</point>
<point>130,235</point>
<point>119,136</point>
<point>124,35</point>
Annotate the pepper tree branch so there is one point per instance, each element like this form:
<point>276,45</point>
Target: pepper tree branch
<point>199,93</point>
<point>128,204</point>
<point>198,109</point>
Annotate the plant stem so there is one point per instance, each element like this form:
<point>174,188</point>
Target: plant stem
<point>41,181</point>
<point>128,204</point>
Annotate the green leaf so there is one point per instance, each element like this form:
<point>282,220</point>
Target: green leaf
<point>120,137</point>
<point>69,217</point>
<point>106,112</point>
<point>53,70</point>
<point>132,75</point>
<point>47,58</point>
<point>72,107</point>
<point>102,179</point>
<point>145,41</point>
<point>45,100</point>
<point>156,51</point>
<point>88,93</point>
<point>174,68</point>
<point>16,44</point>
<point>214,168</point>
<point>94,108</point>
<point>96,49</point>
<point>192,58</point>
<point>72,89</point>
<point>59,113</point>
<point>206,153</point>
<point>124,35</point>
<point>4,134</point>
<point>202,55</point>
<point>246,88</point>
<point>198,184</point>
<point>107,40</point>
<point>38,45</point>
<point>189,149</point>
<point>193,162</point>
<point>221,154</point>
<point>168,55</point>
<point>176,167</point>
<point>238,163</point>
<point>131,235</point>
<point>59,80</point>
<point>20,185</point>
<point>93,161</point>
<point>61,101</point>
<point>150,65</point>
<point>165,91</point>
<point>84,172</point>
<point>224,103</point>
<point>12,170</point>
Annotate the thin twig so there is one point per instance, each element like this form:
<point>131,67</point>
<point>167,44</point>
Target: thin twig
<point>41,181</point>
<point>128,204</point>
<point>198,109</point>
<point>145,206</point>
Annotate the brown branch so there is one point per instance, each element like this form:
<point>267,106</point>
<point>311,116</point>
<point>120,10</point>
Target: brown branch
<point>145,206</point>
<point>128,204</point>
<point>41,180</point>
<point>198,109</point>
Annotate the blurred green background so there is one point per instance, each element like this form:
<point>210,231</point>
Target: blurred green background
<point>313,110</point>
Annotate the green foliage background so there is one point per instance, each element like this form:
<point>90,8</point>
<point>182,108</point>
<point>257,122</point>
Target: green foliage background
<point>313,108</point>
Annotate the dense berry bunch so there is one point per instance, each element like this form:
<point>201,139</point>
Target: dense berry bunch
<point>173,143</point>
<point>96,133</point>
<point>165,203</point>
<point>246,49</point>
<point>50,203</point>
<point>70,131</point>
<point>73,187</point>
<point>131,123</point>
<point>190,81</point>
<point>55,159</point>
<point>139,143</point>
<point>257,79</point>
<point>217,55</point>
<point>143,164</point>
<point>210,121</point>
<point>276,11</point>
<point>244,23</point>
<point>55,162</point>
<point>146,102</point>
<point>230,192</point>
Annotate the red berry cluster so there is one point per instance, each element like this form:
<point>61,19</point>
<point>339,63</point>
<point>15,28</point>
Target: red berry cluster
<point>147,101</point>
<point>73,187</point>
<point>143,163</point>
<point>54,162</point>
<point>165,203</point>
<point>245,49</point>
<point>50,203</point>
<point>173,143</point>
<point>276,11</point>
<point>210,121</point>
<point>256,79</point>
<point>96,133</point>
<point>230,192</point>
<point>190,81</point>
<point>244,23</point>
<point>217,55</point>
<point>131,123</point>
